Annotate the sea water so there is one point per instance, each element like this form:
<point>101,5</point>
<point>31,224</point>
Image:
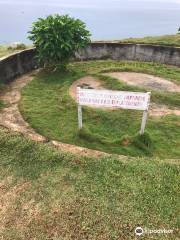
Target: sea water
<point>106,19</point>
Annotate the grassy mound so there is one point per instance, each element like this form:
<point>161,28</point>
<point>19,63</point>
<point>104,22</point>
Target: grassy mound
<point>168,40</point>
<point>47,106</point>
<point>47,194</point>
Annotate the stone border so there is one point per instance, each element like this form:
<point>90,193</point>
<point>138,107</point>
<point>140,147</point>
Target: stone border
<point>25,61</point>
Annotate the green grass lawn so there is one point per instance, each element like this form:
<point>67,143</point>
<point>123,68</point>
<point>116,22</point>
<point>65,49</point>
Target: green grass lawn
<point>1,104</point>
<point>2,88</point>
<point>172,40</point>
<point>47,194</point>
<point>49,109</point>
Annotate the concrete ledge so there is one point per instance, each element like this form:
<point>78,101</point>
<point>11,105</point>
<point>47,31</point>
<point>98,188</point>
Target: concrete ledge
<point>127,51</point>
<point>17,64</point>
<point>25,61</point>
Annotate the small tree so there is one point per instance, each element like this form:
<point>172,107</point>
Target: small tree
<point>57,38</point>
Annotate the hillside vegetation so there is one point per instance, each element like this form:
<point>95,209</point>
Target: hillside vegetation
<point>169,40</point>
<point>47,194</point>
<point>6,50</point>
<point>172,40</point>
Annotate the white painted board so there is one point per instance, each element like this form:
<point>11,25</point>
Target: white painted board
<point>113,99</point>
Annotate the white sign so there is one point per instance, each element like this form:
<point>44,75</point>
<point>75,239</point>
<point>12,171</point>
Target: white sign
<point>113,99</point>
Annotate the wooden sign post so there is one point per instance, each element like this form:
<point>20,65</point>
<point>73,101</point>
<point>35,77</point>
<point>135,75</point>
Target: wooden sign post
<point>79,116</point>
<point>113,99</point>
<point>145,116</point>
<point>79,110</point>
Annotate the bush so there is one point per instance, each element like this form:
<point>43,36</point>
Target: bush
<point>57,38</point>
<point>17,46</point>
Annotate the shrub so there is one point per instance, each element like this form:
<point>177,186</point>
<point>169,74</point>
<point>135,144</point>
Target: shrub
<point>17,46</point>
<point>57,38</point>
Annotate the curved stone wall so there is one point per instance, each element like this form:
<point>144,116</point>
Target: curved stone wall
<point>22,62</point>
<point>140,52</point>
<point>17,64</point>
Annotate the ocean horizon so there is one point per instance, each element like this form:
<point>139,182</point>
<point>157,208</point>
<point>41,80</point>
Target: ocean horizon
<point>106,20</point>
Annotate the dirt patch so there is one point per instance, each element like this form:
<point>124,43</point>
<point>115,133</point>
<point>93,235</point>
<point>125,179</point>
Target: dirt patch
<point>8,196</point>
<point>159,110</point>
<point>145,80</point>
<point>85,82</point>
<point>4,184</point>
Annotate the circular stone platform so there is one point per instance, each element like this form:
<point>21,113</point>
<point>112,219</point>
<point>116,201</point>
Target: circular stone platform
<point>150,82</point>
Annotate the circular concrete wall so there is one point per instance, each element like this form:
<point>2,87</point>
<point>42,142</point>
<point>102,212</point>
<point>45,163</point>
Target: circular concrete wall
<point>25,61</point>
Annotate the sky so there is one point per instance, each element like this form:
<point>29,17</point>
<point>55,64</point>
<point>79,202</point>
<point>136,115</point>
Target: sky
<point>96,4</point>
<point>90,3</point>
<point>106,19</point>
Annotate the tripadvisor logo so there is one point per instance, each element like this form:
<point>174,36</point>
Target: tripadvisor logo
<point>139,231</point>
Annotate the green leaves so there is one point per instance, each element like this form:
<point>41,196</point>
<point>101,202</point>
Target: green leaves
<point>57,38</point>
